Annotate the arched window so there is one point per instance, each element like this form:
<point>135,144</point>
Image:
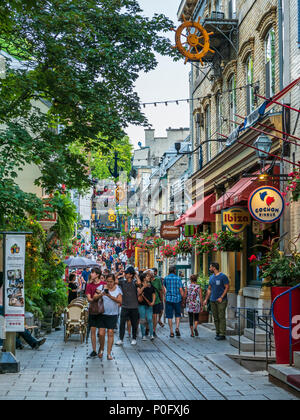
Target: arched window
<point>232,101</point>
<point>270,63</point>
<point>249,82</point>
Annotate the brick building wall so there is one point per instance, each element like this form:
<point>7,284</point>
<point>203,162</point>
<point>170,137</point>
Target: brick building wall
<point>255,19</point>
<point>295,102</point>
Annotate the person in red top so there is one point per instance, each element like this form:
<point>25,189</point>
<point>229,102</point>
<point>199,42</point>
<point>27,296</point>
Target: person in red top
<point>94,320</point>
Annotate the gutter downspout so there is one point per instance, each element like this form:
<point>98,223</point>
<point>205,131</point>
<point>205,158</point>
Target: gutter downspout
<point>281,68</point>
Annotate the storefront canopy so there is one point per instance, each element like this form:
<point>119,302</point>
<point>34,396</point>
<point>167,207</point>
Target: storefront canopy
<point>199,213</point>
<point>238,193</point>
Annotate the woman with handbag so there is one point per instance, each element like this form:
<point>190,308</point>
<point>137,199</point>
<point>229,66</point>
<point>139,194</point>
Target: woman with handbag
<point>95,309</point>
<point>112,298</point>
<point>146,302</point>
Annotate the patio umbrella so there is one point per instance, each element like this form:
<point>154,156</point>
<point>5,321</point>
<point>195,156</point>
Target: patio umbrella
<point>80,262</point>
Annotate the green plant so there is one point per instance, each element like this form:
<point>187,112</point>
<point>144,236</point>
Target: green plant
<point>203,282</point>
<point>184,247</point>
<point>228,241</point>
<point>277,268</point>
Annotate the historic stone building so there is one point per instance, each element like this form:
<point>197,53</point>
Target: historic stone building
<point>251,50</point>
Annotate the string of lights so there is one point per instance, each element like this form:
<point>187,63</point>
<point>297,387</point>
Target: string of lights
<point>200,98</point>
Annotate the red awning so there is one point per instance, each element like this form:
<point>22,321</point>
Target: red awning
<point>199,213</point>
<point>233,195</point>
<point>180,221</point>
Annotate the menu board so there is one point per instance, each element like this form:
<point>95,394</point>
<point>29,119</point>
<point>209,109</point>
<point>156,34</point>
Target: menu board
<point>14,282</point>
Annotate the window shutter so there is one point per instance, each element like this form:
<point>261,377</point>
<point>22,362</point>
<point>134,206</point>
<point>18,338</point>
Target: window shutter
<point>230,9</point>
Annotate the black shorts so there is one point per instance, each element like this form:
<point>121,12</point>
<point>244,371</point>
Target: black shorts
<point>158,308</point>
<point>109,322</point>
<point>94,321</point>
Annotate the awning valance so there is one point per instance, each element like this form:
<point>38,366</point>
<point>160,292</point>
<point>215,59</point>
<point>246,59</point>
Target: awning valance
<point>238,193</point>
<point>199,213</point>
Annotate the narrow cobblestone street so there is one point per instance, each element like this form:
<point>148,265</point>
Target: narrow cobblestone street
<point>168,369</point>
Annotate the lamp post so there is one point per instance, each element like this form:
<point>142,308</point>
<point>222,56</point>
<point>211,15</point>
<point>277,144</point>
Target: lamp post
<point>263,143</point>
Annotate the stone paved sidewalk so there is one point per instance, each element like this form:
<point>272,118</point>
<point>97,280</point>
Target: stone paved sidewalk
<point>168,369</point>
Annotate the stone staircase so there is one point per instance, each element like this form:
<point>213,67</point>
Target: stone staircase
<point>287,375</point>
<point>247,340</point>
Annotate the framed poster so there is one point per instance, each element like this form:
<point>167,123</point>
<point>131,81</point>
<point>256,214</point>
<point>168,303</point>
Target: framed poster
<point>14,266</point>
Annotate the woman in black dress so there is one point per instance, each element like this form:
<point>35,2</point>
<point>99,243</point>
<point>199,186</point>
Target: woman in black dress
<point>73,288</point>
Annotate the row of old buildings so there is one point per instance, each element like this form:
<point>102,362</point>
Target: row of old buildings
<point>256,54</point>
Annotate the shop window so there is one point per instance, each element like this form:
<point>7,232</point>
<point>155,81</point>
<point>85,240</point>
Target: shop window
<point>249,82</point>
<point>270,63</point>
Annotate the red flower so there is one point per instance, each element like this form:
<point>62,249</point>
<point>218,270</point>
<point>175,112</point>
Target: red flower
<point>252,258</point>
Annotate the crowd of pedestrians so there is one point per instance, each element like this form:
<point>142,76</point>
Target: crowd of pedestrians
<point>125,298</point>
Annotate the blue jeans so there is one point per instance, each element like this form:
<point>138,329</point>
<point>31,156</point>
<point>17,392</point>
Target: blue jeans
<point>146,312</point>
<point>25,335</point>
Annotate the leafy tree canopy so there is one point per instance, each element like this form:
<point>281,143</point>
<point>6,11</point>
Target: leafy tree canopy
<point>81,58</point>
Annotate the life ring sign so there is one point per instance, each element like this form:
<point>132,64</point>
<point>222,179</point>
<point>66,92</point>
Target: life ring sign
<point>266,204</point>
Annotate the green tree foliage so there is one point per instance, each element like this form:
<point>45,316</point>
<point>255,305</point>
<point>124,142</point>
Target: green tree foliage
<point>103,159</point>
<point>81,58</point>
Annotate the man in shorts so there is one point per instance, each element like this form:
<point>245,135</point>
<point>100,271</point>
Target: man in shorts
<point>174,296</point>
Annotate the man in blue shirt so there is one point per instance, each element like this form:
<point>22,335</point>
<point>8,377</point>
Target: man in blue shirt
<point>174,295</point>
<point>217,293</point>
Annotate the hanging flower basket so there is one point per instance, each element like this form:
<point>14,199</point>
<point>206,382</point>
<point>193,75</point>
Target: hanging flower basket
<point>184,247</point>
<point>168,251</point>
<point>204,242</point>
<point>293,187</point>
<point>228,242</point>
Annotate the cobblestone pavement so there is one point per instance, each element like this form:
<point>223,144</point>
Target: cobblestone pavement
<point>168,369</point>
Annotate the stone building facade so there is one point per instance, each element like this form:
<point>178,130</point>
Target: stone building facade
<point>246,64</point>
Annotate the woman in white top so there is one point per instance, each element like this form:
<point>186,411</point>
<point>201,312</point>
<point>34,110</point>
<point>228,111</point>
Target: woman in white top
<point>112,299</point>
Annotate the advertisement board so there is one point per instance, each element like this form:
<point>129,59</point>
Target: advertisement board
<point>14,299</point>
<point>266,204</point>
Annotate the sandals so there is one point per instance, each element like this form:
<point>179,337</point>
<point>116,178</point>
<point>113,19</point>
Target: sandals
<point>177,333</point>
<point>196,332</point>
<point>172,335</point>
<point>100,355</point>
<point>110,357</point>
<point>161,324</point>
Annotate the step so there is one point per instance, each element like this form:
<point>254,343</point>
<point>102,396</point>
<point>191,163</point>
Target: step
<point>297,359</point>
<point>247,345</point>
<point>287,374</point>
<point>260,335</point>
<point>211,327</point>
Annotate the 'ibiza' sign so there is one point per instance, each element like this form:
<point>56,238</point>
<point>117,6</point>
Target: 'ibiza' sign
<point>236,219</point>
<point>266,204</point>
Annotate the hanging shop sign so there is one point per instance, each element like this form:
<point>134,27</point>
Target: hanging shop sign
<point>266,204</point>
<point>14,300</point>
<point>168,231</point>
<point>236,219</point>
<point>195,43</point>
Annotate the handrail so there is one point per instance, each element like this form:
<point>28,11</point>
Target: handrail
<point>290,327</point>
<point>264,318</point>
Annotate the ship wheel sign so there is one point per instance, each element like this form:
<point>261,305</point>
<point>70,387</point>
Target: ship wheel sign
<point>195,44</point>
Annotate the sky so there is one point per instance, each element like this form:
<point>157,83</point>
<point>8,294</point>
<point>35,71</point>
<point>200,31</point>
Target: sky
<point>168,81</point>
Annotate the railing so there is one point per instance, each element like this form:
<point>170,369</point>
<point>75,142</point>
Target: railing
<point>261,321</point>
<point>290,327</point>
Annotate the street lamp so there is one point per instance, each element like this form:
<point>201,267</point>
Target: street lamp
<point>263,143</point>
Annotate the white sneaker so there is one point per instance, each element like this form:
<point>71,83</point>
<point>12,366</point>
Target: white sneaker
<point>152,338</point>
<point>119,343</point>
<point>133,342</point>
<point>144,338</point>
